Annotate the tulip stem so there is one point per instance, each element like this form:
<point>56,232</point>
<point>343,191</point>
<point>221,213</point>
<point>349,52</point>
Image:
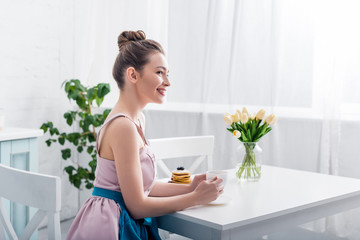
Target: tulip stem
<point>248,169</point>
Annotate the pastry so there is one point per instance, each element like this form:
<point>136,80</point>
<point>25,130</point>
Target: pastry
<point>181,176</point>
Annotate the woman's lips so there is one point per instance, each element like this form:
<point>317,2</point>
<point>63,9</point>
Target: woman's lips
<point>162,91</point>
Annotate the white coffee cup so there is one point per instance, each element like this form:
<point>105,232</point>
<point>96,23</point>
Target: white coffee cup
<point>211,174</point>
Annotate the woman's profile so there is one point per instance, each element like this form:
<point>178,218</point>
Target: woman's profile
<point>126,194</point>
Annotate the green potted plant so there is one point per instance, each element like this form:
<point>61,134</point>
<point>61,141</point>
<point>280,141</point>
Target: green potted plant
<point>84,137</point>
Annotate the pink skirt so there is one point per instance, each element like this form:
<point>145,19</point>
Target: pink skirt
<point>97,219</point>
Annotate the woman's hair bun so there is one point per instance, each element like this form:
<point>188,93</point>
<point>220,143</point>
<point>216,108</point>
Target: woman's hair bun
<point>130,36</point>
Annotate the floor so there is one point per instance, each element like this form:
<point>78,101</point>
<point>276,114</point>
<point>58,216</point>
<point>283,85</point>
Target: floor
<point>65,226</point>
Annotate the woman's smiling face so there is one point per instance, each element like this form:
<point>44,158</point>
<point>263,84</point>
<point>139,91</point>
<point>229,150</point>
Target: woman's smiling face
<point>154,80</point>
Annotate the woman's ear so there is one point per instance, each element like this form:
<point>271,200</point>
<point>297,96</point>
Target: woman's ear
<point>132,75</point>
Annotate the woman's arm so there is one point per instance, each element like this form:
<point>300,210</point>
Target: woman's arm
<point>162,189</point>
<point>125,144</point>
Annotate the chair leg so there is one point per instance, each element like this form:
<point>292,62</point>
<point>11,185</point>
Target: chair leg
<point>54,230</point>
<point>5,224</point>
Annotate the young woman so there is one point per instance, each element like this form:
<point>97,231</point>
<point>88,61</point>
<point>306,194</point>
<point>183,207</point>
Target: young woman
<point>126,194</point>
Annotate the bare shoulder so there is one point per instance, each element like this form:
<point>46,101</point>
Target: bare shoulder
<point>122,131</point>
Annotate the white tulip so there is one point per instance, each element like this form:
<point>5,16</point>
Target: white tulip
<point>252,116</point>
<point>244,110</point>
<point>228,119</point>
<point>274,121</point>
<point>260,115</point>
<point>235,117</point>
<point>244,117</point>
<point>269,118</point>
<point>237,133</point>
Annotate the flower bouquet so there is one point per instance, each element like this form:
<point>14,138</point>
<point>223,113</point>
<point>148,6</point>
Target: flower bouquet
<point>249,129</point>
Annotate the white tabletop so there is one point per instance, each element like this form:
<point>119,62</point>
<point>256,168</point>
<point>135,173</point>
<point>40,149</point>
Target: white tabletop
<point>10,133</point>
<point>281,195</point>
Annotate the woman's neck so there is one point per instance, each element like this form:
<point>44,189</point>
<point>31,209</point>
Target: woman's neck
<point>128,105</point>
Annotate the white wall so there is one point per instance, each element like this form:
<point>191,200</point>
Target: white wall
<point>36,56</point>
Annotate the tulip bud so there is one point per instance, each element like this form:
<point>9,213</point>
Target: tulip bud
<point>237,133</point>
<point>269,118</point>
<point>238,116</point>
<point>260,115</point>
<point>228,119</point>
<point>252,116</point>
<point>235,117</point>
<point>244,117</point>
<point>244,110</point>
<point>274,121</point>
<point>227,114</point>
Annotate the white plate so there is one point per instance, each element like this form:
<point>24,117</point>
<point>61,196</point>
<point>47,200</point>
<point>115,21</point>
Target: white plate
<point>222,199</point>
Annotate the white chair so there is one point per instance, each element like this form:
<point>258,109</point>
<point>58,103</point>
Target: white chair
<point>34,190</point>
<point>171,149</point>
<point>201,147</point>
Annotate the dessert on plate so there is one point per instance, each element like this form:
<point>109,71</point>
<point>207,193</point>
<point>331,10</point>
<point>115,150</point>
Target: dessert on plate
<point>181,175</point>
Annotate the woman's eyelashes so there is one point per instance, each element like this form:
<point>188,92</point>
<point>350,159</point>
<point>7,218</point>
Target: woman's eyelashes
<point>161,73</point>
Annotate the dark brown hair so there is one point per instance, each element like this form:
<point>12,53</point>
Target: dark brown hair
<point>134,51</point>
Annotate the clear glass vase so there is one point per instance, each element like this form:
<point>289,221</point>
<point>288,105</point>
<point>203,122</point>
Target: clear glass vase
<point>250,167</point>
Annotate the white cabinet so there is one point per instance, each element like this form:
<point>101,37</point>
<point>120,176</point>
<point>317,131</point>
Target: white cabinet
<point>19,149</point>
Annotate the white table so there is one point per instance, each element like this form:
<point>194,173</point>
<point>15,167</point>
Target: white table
<point>283,198</point>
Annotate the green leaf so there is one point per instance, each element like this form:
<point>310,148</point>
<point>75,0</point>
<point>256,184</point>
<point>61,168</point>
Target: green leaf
<point>61,139</point>
<point>78,85</point>
<point>92,165</point>
<point>106,113</point>
<point>73,138</point>
<point>77,182</point>
<point>253,129</point>
<point>89,185</point>
<point>69,169</point>
<point>81,102</point>
<point>74,94</point>
<point>90,94</point>
<point>248,135</point>
<point>44,127</point>
<point>99,101</point>
<point>54,131</point>
<point>244,138</point>
<point>267,130</point>
<point>66,153</point>
<point>48,142</point>
<point>80,149</point>
<point>90,149</point>
<point>91,137</point>
<point>103,89</point>
<point>69,118</point>
<point>67,86</point>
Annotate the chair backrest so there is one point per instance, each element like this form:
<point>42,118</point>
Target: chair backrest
<point>171,148</point>
<point>34,190</point>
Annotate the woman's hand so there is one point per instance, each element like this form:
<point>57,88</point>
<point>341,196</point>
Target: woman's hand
<point>208,191</point>
<point>197,180</point>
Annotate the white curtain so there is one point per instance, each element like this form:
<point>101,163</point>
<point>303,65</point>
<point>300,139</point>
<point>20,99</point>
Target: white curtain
<point>336,81</point>
<point>298,59</point>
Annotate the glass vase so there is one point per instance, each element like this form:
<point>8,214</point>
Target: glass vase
<point>250,167</point>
